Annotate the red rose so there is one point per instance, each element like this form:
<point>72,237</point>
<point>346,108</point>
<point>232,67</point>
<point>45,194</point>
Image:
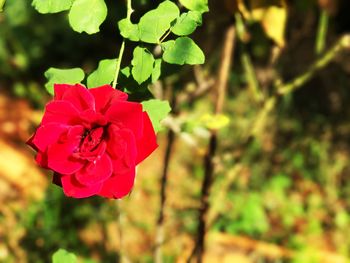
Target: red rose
<point>93,139</point>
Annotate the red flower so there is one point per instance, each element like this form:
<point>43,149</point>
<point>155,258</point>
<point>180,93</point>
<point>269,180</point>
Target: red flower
<point>93,139</point>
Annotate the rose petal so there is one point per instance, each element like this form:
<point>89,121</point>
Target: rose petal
<point>60,90</point>
<point>60,112</point>
<point>41,159</point>
<point>60,155</point>
<point>105,96</point>
<point>148,142</point>
<point>118,185</point>
<point>129,114</point>
<point>71,187</point>
<point>47,134</point>
<point>90,119</point>
<point>118,141</point>
<point>76,94</point>
<point>91,155</point>
<point>95,172</point>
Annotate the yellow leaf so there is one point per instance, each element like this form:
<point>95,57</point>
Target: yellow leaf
<point>214,122</point>
<point>274,23</point>
<point>272,14</point>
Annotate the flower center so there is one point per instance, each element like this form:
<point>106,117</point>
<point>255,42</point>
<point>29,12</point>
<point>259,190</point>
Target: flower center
<point>91,139</point>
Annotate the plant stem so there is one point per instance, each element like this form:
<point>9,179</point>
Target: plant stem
<point>122,48</point>
<point>322,32</point>
<point>158,254</point>
<point>286,88</point>
<point>209,166</point>
<point>165,36</point>
<point>164,180</point>
<point>299,81</point>
<point>249,71</point>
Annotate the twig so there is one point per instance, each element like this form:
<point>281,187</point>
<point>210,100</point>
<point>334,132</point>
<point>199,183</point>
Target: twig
<point>122,48</point>
<point>247,64</point>
<point>165,36</point>
<point>203,85</point>
<point>164,179</point>
<point>299,81</point>
<point>227,52</point>
<point>322,32</point>
<point>249,70</point>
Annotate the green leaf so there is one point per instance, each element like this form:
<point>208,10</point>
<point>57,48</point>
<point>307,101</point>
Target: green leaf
<point>104,74</point>
<point>87,15</point>
<point>126,71</point>
<point>16,14</point>
<point>196,5</point>
<point>156,70</point>
<point>182,51</point>
<point>63,256</point>
<point>155,23</point>
<point>128,30</point>
<point>2,3</point>
<point>157,110</point>
<point>187,23</point>
<point>62,76</point>
<point>51,6</point>
<point>142,63</point>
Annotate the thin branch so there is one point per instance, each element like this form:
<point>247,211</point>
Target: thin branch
<point>298,82</point>
<point>324,60</point>
<point>203,85</point>
<point>322,32</point>
<point>122,48</point>
<point>224,70</point>
<point>164,181</point>
<point>163,185</point>
<point>165,36</point>
<point>247,64</point>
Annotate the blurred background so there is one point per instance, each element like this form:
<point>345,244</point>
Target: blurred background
<point>280,189</point>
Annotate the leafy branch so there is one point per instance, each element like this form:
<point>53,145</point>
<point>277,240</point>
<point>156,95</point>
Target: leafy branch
<point>122,48</point>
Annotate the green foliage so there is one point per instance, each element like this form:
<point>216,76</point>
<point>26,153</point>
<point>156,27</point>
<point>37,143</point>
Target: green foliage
<point>16,12</point>
<point>129,30</point>
<point>52,6</point>
<point>196,5</point>
<point>157,70</point>
<point>251,215</point>
<point>152,25</point>
<point>2,3</point>
<point>142,63</point>
<point>87,15</point>
<point>67,76</point>
<point>84,15</point>
<point>157,110</point>
<point>63,256</point>
<point>187,23</point>
<point>155,23</point>
<point>58,220</point>
<point>182,51</point>
<point>104,73</point>
<point>307,255</point>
